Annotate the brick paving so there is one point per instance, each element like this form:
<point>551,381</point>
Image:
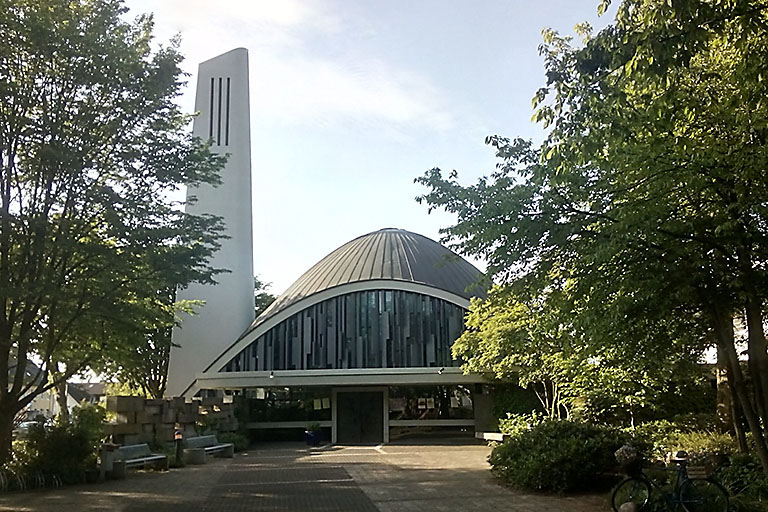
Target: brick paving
<point>285,477</point>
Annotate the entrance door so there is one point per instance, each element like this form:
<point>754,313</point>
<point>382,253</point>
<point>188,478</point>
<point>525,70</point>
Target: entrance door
<point>360,417</point>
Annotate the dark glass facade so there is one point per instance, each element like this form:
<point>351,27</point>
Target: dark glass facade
<point>367,329</point>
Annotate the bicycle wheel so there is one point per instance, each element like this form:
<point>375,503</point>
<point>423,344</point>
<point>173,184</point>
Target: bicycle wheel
<point>701,495</point>
<point>631,490</point>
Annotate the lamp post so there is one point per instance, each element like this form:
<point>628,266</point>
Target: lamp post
<point>178,438</point>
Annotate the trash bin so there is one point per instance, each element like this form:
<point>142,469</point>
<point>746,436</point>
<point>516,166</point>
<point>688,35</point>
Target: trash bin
<point>107,459</point>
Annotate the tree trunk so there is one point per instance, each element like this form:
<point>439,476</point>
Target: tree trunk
<point>7,414</point>
<point>725,416</point>
<point>723,324</point>
<point>729,416</point>
<point>738,422</point>
<point>758,356</point>
<point>61,399</point>
<point>756,345</point>
<point>736,417</point>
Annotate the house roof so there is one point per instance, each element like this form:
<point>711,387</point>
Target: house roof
<point>87,389</point>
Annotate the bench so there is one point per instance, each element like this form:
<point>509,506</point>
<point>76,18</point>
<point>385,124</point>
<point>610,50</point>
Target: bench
<point>490,436</point>
<point>137,455</point>
<point>200,446</point>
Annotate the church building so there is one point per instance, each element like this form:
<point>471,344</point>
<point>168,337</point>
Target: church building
<point>359,345</point>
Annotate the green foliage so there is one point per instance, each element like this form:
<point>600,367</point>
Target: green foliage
<point>693,422</point>
<point>537,342</point>
<point>94,144</point>
<point>694,434</point>
<point>702,446</point>
<point>507,337</point>
<point>653,438</point>
<point>556,455</point>
<point>640,222</point>
<point>692,395</point>
<point>141,362</point>
<point>206,424</point>
<point>511,399</point>
<point>745,482</point>
<point>238,439</point>
<point>515,424</point>
<point>90,419</point>
<point>65,450</point>
<point>122,389</point>
<point>262,298</point>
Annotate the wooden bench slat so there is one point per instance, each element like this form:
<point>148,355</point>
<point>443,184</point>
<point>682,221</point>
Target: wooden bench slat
<point>202,441</point>
<point>210,445</point>
<point>135,451</point>
<point>139,455</point>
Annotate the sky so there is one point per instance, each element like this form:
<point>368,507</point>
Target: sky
<point>352,100</point>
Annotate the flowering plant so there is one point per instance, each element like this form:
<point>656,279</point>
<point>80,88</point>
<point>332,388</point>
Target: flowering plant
<point>701,458</point>
<point>626,454</point>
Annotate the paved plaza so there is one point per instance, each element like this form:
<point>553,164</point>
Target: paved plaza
<point>291,477</point>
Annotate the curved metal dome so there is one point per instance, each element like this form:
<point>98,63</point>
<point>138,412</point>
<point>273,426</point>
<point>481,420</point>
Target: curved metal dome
<point>391,254</point>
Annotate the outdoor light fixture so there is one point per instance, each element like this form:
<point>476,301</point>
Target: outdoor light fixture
<point>440,371</point>
<point>271,375</point>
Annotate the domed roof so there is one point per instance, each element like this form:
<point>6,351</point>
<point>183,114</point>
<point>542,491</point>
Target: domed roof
<point>391,254</point>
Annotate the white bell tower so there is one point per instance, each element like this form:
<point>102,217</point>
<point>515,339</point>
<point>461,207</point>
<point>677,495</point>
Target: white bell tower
<point>222,101</point>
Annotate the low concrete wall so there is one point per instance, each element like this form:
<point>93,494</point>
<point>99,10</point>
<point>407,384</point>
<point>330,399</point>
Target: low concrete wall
<point>141,420</point>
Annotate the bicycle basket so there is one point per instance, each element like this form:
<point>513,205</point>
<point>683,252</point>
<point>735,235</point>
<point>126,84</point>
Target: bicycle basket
<point>698,471</point>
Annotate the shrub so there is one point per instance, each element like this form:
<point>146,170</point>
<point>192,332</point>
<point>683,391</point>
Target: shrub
<point>515,424</point>
<point>703,446</point>
<point>89,420</point>
<point>557,455</point>
<point>240,441</point>
<point>64,450</point>
<point>653,437</point>
<point>692,433</point>
<point>746,482</point>
<point>56,450</point>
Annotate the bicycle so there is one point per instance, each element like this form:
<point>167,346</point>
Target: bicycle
<point>692,494</point>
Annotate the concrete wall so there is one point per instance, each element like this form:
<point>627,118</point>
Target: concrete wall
<point>141,420</point>
<point>485,420</point>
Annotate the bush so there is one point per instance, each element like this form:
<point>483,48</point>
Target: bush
<point>704,447</point>
<point>557,455</point>
<point>64,450</point>
<point>746,482</point>
<point>240,441</point>
<point>516,424</point>
<point>692,433</point>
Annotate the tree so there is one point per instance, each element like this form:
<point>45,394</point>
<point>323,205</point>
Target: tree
<point>91,147</point>
<point>539,342</point>
<point>140,349</point>
<point>648,194</point>
<point>140,359</point>
<point>262,298</point>
<point>506,336</point>
<point>116,388</point>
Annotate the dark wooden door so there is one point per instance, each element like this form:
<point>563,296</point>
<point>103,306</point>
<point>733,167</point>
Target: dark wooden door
<point>360,417</point>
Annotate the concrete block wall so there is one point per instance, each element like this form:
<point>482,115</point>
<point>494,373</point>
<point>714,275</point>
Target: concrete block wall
<point>140,420</point>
